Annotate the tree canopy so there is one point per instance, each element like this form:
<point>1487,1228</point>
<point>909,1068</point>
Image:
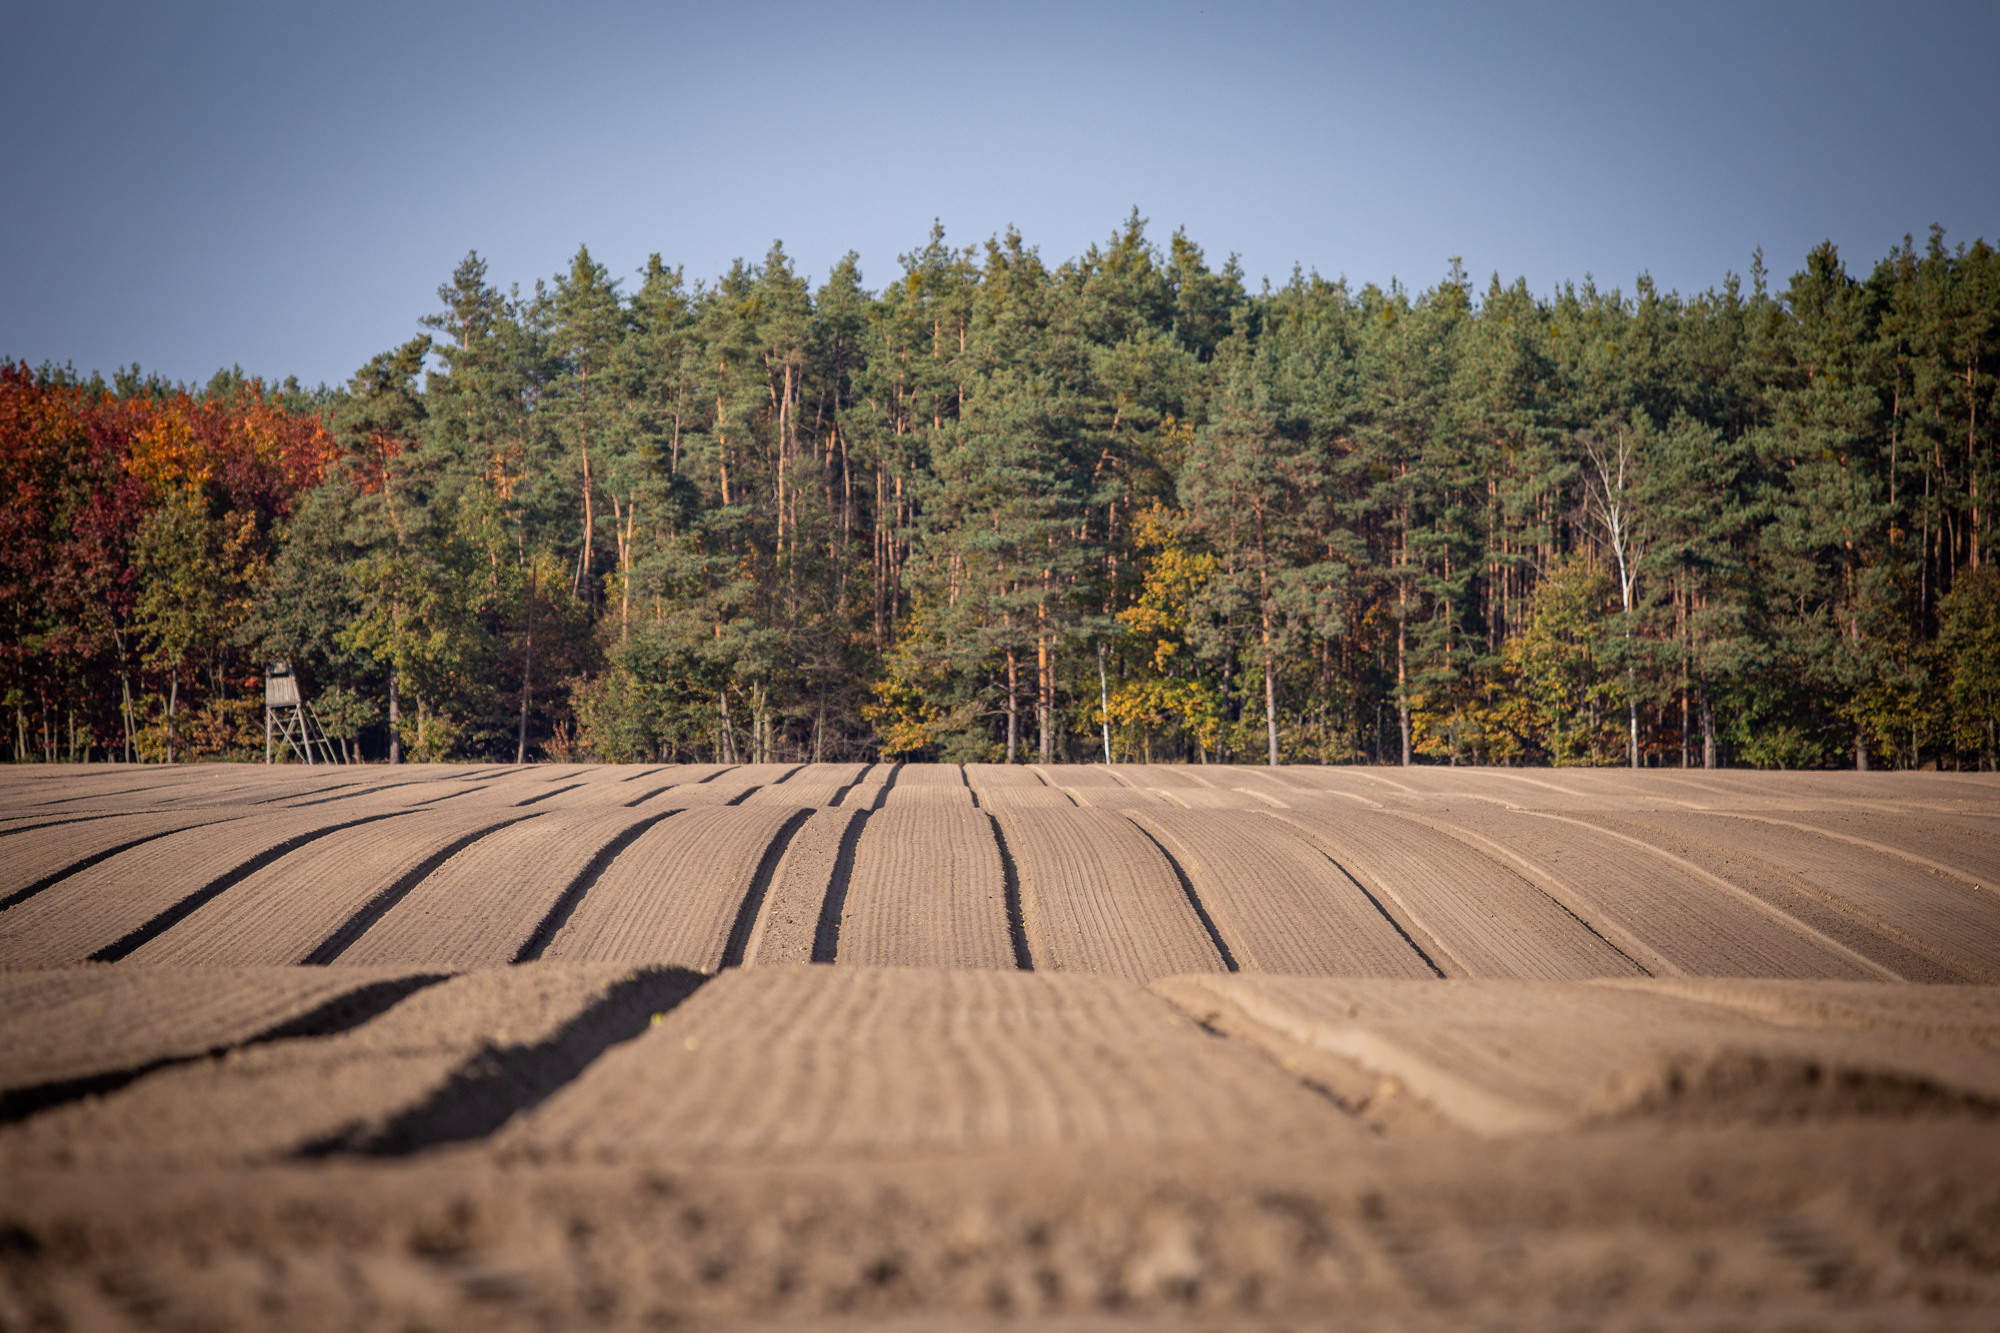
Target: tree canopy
<point>758,519</point>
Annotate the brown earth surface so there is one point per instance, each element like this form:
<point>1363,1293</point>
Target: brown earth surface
<point>1053,1047</point>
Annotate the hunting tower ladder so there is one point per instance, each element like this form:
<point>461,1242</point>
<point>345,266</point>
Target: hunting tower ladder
<point>289,721</point>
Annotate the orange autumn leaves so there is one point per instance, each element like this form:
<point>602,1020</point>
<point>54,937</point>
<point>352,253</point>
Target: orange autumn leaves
<point>249,446</point>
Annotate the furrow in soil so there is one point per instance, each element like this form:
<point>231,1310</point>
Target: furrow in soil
<point>812,1058</point>
<point>927,890</point>
<point>1098,896</point>
<point>287,910</point>
<point>674,894</point>
<point>479,908</point>
<point>788,925</point>
<point>1503,1058</point>
<point>1688,923</point>
<point>1942,915</point>
<point>1279,902</point>
<point>1486,919</point>
<point>73,1024</point>
<point>115,901</point>
<point>447,1063</point>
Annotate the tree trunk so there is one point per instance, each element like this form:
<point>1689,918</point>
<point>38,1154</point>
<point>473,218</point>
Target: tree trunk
<point>589,516</point>
<point>1013,707</point>
<point>1707,730</point>
<point>1972,453</point>
<point>395,718</point>
<point>1270,702</point>
<point>1104,702</point>
<point>173,702</point>
<point>1231,710</point>
<point>1044,700</point>
<point>125,706</point>
<point>527,682</point>
<point>625,522</point>
<point>1684,724</point>
<point>1860,750</point>
<point>1402,678</point>
<point>880,565</point>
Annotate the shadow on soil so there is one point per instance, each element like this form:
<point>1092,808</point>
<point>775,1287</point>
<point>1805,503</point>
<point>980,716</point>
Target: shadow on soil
<point>760,887</point>
<point>826,937</point>
<point>1017,925</point>
<point>348,1010</point>
<point>215,888</point>
<point>566,904</point>
<point>378,907</point>
<point>501,1081</point>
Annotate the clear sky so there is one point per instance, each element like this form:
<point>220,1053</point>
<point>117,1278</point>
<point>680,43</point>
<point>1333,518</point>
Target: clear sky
<point>284,186</point>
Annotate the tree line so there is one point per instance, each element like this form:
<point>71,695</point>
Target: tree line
<point>1001,509</point>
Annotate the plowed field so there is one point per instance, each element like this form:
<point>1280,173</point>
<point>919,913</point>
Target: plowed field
<point>786,1046</point>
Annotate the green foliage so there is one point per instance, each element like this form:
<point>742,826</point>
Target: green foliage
<point>343,714</point>
<point>1971,645</point>
<point>756,519</point>
<point>1566,696</point>
<point>196,575</point>
<point>193,573</point>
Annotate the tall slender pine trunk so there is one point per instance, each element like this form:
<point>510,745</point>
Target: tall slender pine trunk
<point>1270,700</point>
<point>527,665</point>
<point>395,718</point>
<point>1707,729</point>
<point>1044,700</point>
<point>1104,702</point>
<point>527,681</point>
<point>125,704</point>
<point>1013,707</point>
<point>1402,672</point>
<point>582,582</point>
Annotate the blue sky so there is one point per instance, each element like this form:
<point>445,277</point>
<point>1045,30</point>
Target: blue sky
<point>284,187</point>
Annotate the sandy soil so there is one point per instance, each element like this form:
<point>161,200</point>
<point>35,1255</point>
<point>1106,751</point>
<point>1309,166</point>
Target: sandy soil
<point>482,907</point>
<point>680,890</point>
<point>1098,895</point>
<point>1280,904</point>
<point>1472,913</point>
<point>927,889</point>
<point>265,919</point>
<point>847,1046</point>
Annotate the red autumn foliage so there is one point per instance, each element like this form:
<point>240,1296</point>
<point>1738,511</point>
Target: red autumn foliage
<point>80,471</point>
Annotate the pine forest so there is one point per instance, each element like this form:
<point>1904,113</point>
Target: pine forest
<point>1001,509</point>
